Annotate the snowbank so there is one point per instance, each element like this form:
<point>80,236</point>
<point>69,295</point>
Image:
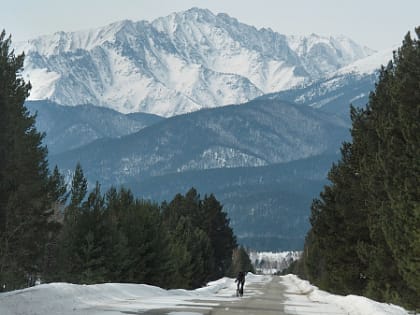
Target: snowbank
<point>115,298</point>
<point>302,293</point>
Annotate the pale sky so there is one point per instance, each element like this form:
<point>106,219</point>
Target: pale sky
<point>378,24</point>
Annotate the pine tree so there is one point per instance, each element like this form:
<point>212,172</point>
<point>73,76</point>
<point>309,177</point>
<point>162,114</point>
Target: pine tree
<point>215,223</point>
<point>147,244</point>
<point>367,219</point>
<point>58,194</point>
<point>207,223</point>
<point>69,239</point>
<point>400,162</point>
<point>92,239</point>
<point>78,187</point>
<point>25,207</point>
<point>394,175</point>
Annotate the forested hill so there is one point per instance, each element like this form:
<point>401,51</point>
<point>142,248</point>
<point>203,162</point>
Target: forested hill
<point>258,133</point>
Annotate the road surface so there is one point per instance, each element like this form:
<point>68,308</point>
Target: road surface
<point>272,298</point>
<point>269,300</point>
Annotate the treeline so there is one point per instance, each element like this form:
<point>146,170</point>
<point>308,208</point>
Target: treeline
<point>365,235</point>
<point>86,237</point>
<point>114,237</point>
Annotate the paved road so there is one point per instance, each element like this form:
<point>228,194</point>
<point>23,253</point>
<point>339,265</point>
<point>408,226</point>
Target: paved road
<point>269,302</point>
<point>262,299</point>
<point>272,298</point>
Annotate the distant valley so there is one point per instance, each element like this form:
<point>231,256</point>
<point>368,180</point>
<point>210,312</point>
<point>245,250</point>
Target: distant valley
<point>265,160</point>
<point>201,100</point>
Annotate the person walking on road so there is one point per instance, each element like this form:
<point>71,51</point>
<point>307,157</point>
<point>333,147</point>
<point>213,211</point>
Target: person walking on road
<point>240,279</point>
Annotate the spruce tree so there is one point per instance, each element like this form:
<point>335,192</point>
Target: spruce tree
<point>364,236</point>
<point>70,238</point>
<point>25,207</point>
<point>205,219</point>
<point>92,239</point>
<point>215,223</point>
<point>58,194</point>
<point>393,178</point>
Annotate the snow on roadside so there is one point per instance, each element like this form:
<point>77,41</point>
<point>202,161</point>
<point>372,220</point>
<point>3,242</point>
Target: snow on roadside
<point>301,295</point>
<point>115,298</point>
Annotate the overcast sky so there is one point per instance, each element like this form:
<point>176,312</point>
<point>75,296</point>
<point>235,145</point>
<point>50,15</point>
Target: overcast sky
<point>378,24</point>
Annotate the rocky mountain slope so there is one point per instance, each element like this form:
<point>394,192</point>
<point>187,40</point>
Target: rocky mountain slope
<point>351,84</point>
<point>177,64</point>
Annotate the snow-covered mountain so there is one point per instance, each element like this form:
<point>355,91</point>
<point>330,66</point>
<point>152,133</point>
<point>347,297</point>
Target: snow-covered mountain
<point>350,84</point>
<point>369,64</point>
<point>321,55</point>
<point>177,64</point>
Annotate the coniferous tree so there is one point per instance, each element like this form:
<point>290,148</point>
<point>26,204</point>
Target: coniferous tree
<point>216,225</point>
<point>25,207</point>
<point>399,160</point>
<point>147,244</point>
<point>58,194</point>
<point>119,256</point>
<point>78,187</point>
<point>201,220</point>
<point>92,239</point>
<point>367,220</point>
<point>70,237</point>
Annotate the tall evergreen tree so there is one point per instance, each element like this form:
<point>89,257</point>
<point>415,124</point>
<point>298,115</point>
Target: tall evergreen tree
<point>78,187</point>
<point>69,239</point>
<point>58,194</point>
<point>25,207</point>
<point>367,220</point>
<point>215,223</point>
<point>202,219</point>
<point>92,239</point>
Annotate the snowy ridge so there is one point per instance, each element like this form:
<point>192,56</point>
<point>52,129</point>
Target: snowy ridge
<point>368,64</point>
<point>177,64</point>
<point>350,84</point>
<point>62,42</point>
<point>325,55</point>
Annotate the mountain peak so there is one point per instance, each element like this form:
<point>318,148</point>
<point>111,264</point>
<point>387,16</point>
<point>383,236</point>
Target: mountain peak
<point>196,11</point>
<point>179,63</point>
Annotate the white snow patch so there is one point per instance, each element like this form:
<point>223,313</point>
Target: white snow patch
<point>369,64</point>
<point>304,298</point>
<point>42,81</point>
<point>118,298</point>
